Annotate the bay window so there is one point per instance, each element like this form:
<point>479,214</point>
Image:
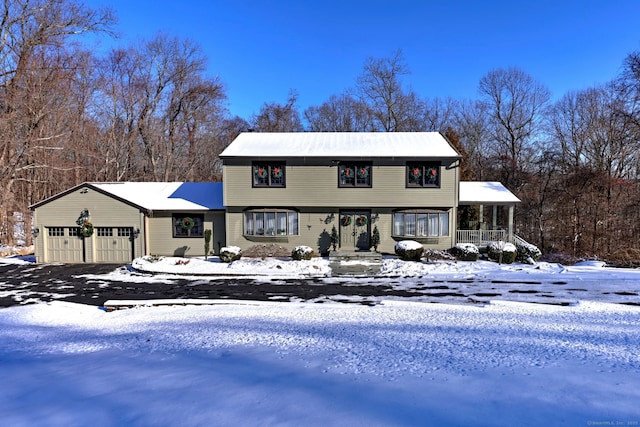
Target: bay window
<point>270,222</point>
<point>420,224</point>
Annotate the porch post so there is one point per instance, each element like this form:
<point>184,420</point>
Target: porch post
<point>510,223</point>
<point>481,218</point>
<point>494,219</point>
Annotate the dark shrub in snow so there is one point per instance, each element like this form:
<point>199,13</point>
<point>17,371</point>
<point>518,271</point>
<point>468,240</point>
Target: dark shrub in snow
<point>409,250</point>
<point>502,252</point>
<point>527,253</point>
<point>302,252</point>
<point>465,252</point>
<point>230,254</point>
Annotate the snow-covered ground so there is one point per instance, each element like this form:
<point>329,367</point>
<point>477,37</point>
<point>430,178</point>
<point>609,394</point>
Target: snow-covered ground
<point>283,363</point>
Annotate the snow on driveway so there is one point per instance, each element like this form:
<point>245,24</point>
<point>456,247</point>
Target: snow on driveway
<point>269,363</point>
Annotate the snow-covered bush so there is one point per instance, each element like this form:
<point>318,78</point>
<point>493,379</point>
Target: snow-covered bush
<point>526,252</point>
<point>501,252</point>
<point>465,252</point>
<point>409,250</point>
<point>230,253</point>
<point>302,252</point>
<point>152,258</point>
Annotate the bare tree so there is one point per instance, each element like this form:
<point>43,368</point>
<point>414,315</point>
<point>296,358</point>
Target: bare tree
<point>471,122</point>
<point>340,113</point>
<point>274,117</point>
<point>393,108</point>
<point>515,103</point>
<point>34,34</point>
<point>438,114</point>
<point>158,111</point>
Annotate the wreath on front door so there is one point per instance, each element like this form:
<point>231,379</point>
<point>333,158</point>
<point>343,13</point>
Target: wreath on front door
<point>346,220</point>
<point>361,221</point>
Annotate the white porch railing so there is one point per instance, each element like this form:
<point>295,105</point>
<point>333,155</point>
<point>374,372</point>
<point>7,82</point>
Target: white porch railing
<point>481,238</point>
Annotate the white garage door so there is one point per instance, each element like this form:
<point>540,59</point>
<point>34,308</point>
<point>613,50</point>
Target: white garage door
<point>64,244</point>
<point>114,244</point>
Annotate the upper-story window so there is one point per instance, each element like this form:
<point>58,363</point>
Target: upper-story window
<point>271,174</point>
<point>354,175</point>
<point>425,174</point>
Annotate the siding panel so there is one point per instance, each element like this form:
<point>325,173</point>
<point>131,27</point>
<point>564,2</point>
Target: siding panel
<point>317,185</point>
<point>104,212</point>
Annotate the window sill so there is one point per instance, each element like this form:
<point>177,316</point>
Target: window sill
<point>267,237</point>
<point>421,239</point>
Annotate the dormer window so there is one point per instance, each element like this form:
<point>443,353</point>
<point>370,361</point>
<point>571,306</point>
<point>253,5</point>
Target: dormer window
<point>270,174</point>
<point>354,175</point>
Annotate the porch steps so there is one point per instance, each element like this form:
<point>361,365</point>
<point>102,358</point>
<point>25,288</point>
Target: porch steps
<point>355,263</point>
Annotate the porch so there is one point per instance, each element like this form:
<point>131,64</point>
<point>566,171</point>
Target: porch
<point>487,211</point>
<point>481,238</point>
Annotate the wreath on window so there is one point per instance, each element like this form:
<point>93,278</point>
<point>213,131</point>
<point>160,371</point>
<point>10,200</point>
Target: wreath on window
<point>86,228</point>
<point>433,173</point>
<point>187,223</point>
<point>361,221</point>
<point>346,220</point>
<point>261,173</point>
<point>347,172</point>
<point>363,173</point>
<point>276,172</point>
<point>416,173</point>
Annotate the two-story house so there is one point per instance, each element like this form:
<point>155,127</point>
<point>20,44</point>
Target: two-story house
<point>294,188</point>
<point>286,188</point>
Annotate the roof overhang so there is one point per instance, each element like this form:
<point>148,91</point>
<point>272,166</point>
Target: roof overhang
<point>485,193</point>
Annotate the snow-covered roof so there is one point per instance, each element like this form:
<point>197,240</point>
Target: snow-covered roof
<point>159,196</point>
<point>478,192</point>
<point>340,145</point>
<point>169,196</point>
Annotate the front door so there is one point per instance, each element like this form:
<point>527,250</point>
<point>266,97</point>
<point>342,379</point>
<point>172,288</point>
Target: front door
<point>355,230</point>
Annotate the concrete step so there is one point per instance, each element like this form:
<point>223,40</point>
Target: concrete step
<point>356,263</point>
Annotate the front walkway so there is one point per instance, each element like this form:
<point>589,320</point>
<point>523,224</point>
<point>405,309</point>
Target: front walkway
<point>355,263</point>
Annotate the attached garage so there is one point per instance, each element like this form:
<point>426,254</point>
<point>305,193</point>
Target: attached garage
<point>64,244</point>
<point>114,244</point>
<point>117,222</point>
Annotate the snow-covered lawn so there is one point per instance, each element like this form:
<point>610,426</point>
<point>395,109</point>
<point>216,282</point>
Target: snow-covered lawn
<point>283,363</point>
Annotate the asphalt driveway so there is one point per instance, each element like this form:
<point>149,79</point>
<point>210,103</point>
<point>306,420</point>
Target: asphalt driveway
<point>93,285</point>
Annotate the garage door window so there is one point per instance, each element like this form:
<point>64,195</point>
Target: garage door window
<point>188,225</point>
<point>56,231</point>
<point>104,231</point>
<point>74,232</point>
<point>124,232</point>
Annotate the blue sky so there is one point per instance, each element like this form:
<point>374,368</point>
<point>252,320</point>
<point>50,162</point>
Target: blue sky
<point>263,49</point>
